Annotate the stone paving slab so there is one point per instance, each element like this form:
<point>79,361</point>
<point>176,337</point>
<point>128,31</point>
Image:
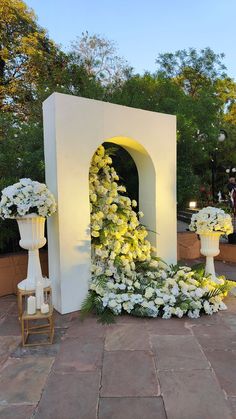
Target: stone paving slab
<point>76,354</point>
<point>89,328</point>
<point>164,327</point>
<point>16,412</point>
<point>6,307</point>
<point>224,342</point>
<point>75,378</point>
<point>218,337</point>
<point>126,318</point>
<point>178,352</point>
<point>131,408</point>
<point>129,374</point>
<point>230,321</point>
<point>29,377</point>
<point>127,336</point>
<point>205,320</point>
<point>62,320</point>
<point>230,302</point>
<point>35,351</point>
<point>70,396</point>
<point>7,345</point>
<point>227,269</point>
<point>9,326</point>
<point>193,395</point>
<point>224,366</point>
<point>232,404</point>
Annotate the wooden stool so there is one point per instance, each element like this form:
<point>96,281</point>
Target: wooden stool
<point>29,322</point>
<point>22,294</point>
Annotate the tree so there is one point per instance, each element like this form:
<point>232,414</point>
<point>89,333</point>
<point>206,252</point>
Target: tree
<point>99,57</point>
<point>193,71</point>
<point>201,114</point>
<point>27,56</point>
<point>31,68</point>
<point>155,92</point>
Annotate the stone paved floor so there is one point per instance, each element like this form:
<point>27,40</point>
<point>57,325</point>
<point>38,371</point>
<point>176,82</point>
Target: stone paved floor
<point>134,369</point>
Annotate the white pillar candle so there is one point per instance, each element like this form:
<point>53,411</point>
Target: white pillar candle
<point>39,294</point>
<point>44,308</point>
<point>31,305</point>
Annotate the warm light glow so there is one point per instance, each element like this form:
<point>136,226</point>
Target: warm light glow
<point>192,204</point>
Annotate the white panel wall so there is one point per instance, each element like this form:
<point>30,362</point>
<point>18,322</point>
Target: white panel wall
<point>73,129</point>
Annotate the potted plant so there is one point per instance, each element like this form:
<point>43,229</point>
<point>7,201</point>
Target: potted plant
<point>29,202</point>
<point>210,223</point>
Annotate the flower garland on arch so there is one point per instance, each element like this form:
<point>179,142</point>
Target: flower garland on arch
<point>126,277</point>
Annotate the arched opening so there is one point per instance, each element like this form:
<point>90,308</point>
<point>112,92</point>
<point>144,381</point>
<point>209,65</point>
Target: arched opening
<point>126,169</point>
<point>139,176</point>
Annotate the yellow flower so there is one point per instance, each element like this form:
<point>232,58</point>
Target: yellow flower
<point>95,234</point>
<point>93,197</point>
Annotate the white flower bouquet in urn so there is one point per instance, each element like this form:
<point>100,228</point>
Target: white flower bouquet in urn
<point>26,197</point>
<point>211,219</point>
<point>29,202</point>
<point>210,223</point>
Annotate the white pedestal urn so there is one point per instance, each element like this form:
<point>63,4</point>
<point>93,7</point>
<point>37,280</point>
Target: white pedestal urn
<point>31,228</point>
<point>210,248</point>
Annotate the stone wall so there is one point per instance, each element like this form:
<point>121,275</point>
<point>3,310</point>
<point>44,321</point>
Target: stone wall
<point>189,248</point>
<point>13,269</point>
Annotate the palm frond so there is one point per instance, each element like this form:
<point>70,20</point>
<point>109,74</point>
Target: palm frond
<point>221,289</point>
<point>199,268</point>
<point>88,305</point>
<point>101,280</point>
<point>106,317</point>
<point>175,268</point>
<point>139,312</point>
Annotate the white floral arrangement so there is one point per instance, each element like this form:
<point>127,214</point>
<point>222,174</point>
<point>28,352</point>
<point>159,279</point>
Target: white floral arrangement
<point>211,219</point>
<point>25,197</point>
<point>126,278</point>
<point>161,292</point>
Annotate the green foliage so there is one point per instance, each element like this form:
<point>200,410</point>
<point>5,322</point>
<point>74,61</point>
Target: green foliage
<point>221,289</point>
<point>190,84</point>
<point>27,58</point>
<point>191,69</point>
<point>106,317</point>
<point>92,304</point>
<point>188,185</point>
<point>199,268</point>
<point>139,311</point>
<point>88,304</point>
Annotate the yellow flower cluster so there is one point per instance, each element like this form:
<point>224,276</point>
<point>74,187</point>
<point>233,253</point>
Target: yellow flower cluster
<point>114,224</point>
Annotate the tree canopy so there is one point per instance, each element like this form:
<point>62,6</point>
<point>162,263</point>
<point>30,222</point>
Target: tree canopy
<point>191,84</point>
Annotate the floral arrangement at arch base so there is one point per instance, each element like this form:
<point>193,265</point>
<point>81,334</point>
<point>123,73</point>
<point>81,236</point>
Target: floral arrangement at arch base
<point>126,277</point>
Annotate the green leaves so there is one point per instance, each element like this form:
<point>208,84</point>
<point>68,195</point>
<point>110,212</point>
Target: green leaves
<point>221,289</point>
<point>93,304</point>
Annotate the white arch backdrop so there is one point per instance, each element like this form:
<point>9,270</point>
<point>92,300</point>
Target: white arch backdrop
<point>73,129</point>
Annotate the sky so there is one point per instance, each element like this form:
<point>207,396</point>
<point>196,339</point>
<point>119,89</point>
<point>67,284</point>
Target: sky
<point>142,29</point>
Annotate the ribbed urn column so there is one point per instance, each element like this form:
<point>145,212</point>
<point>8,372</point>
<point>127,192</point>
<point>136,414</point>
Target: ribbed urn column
<point>210,248</point>
<point>31,229</point>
